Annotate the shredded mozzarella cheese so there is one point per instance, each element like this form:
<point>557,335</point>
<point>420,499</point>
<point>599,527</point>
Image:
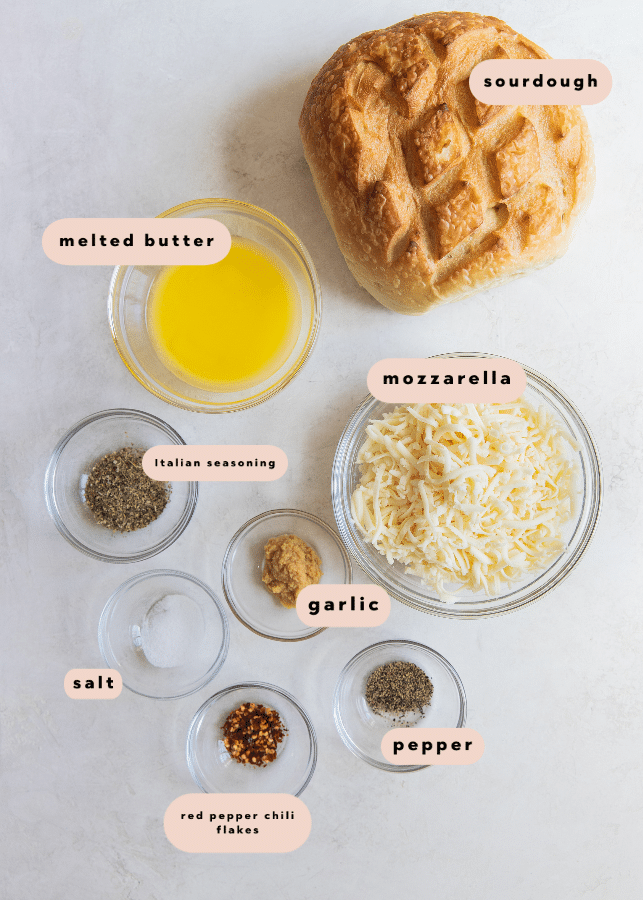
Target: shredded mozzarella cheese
<point>474,495</point>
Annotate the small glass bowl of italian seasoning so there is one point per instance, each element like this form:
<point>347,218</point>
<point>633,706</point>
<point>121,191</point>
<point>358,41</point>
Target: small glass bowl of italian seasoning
<point>99,497</point>
<point>252,738</point>
<point>395,684</point>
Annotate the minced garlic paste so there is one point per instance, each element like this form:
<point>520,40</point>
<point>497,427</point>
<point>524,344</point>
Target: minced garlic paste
<point>290,566</point>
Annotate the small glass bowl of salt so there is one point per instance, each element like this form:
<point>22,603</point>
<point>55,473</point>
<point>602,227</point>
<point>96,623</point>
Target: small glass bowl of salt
<point>166,633</point>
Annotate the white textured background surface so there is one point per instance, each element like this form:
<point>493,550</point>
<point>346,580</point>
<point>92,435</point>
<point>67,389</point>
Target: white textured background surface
<point>126,109</point>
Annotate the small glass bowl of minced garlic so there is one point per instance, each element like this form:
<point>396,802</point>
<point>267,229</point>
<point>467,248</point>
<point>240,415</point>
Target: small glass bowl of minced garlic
<point>251,583</point>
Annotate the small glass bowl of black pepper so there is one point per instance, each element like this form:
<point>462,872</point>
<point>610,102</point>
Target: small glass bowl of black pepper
<point>372,674</point>
<point>217,771</point>
<point>115,437</point>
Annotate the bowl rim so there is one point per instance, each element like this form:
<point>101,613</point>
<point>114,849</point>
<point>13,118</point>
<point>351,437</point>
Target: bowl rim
<point>590,505</point>
<point>256,212</point>
<point>368,651</point>
<point>50,494</point>
<point>228,593</point>
<point>251,685</point>
<point>122,590</point>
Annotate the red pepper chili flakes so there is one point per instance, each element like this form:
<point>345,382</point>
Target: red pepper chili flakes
<point>251,734</point>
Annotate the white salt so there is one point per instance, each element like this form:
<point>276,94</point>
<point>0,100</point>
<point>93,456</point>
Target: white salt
<point>170,631</point>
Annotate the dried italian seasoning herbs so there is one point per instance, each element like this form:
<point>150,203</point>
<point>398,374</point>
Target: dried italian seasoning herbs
<point>397,689</point>
<point>251,734</point>
<point>120,494</point>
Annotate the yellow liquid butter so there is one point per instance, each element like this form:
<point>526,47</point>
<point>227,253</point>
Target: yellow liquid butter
<point>228,326</point>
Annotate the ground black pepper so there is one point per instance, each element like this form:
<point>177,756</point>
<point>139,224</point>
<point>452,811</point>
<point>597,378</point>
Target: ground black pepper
<point>397,689</point>
<point>251,734</point>
<point>121,496</point>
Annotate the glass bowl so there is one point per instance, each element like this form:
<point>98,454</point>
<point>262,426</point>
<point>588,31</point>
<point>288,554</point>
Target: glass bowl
<point>130,290</point>
<point>70,464</point>
<point>215,771</point>
<point>409,589</point>
<point>166,632</point>
<point>362,730</point>
<point>243,561</point>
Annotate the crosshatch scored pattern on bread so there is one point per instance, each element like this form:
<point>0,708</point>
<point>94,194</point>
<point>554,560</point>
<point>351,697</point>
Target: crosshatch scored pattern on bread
<point>433,195</point>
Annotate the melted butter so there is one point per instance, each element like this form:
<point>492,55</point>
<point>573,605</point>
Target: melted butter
<point>228,326</point>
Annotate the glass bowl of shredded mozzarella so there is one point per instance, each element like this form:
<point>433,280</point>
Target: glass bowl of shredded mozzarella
<point>468,510</point>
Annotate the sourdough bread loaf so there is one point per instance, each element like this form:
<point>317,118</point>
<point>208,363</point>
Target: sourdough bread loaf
<point>433,195</point>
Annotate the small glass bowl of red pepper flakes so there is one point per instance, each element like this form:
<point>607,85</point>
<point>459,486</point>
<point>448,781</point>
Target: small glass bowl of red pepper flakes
<point>252,738</point>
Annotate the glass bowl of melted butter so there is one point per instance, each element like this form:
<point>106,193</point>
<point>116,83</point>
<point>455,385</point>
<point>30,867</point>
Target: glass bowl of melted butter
<point>221,337</point>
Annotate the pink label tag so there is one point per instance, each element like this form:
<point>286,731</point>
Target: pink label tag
<point>237,823</point>
<point>225,462</point>
<point>540,82</point>
<point>343,605</point>
<point>93,684</point>
<point>432,746</point>
<point>491,379</point>
<point>136,242</point>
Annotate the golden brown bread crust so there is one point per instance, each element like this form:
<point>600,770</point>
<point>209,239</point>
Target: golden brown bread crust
<point>433,195</point>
